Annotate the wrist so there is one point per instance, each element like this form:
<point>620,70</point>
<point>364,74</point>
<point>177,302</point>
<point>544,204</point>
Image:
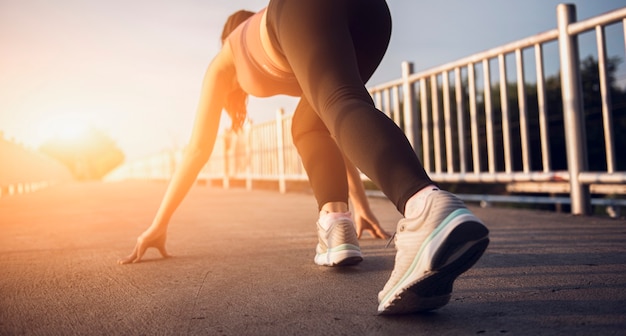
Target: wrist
<point>159,224</point>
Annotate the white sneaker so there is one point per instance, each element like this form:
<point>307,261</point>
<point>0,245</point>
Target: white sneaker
<point>338,244</point>
<point>433,249</point>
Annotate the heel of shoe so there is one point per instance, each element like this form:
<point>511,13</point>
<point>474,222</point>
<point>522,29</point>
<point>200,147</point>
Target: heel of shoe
<point>344,255</point>
<point>458,242</point>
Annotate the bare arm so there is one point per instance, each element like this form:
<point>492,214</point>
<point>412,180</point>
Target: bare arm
<point>364,217</point>
<point>217,81</point>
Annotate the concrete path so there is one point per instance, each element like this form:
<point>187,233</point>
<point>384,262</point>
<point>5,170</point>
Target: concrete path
<point>243,265</point>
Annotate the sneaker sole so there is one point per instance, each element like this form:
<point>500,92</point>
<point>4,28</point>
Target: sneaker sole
<point>429,285</point>
<point>346,257</point>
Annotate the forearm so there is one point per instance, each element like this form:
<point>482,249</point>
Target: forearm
<point>356,189</point>
<point>199,149</point>
<point>219,79</point>
<point>183,179</point>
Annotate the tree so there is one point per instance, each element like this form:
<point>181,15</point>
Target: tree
<point>90,157</point>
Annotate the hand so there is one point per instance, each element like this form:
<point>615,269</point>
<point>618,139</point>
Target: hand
<point>369,224</point>
<point>146,240</point>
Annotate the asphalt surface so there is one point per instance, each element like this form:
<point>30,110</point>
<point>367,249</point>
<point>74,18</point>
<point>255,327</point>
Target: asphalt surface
<point>243,265</point>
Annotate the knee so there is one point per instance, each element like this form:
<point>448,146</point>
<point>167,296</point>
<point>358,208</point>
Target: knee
<point>306,129</point>
<point>344,98</point>
<point>304,138</point>
<point>342,105</point>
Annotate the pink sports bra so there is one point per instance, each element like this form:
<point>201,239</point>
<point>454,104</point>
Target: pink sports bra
<point>257,74</point>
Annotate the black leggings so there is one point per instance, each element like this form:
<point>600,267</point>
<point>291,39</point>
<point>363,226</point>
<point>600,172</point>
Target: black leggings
<point>333,48</point>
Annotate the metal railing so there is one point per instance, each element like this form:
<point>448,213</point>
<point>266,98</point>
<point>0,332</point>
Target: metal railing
<point>431,108</point>
<point>461,133</point>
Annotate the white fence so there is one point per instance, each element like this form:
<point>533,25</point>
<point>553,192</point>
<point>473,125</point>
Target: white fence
<point>461,133</point>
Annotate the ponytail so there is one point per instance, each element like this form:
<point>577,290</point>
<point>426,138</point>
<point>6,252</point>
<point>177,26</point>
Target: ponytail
<point>237,99</point>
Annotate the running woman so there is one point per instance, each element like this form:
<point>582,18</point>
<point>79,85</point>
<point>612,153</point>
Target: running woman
<point>325,51</point>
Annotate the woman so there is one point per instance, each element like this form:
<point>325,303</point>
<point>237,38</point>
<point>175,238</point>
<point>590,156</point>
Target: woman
<point>325,51</point>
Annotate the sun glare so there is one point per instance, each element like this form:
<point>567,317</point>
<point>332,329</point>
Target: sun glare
<point>71,129</point>
<point>67,128</point>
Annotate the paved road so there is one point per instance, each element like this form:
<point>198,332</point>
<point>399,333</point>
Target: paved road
<point>244,266</point>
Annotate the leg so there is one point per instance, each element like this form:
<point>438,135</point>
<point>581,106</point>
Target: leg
<point>333,48</point>
<point>313,141</point>
<point>337,239</point>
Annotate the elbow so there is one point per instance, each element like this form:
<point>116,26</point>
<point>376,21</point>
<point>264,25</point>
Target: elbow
<point>198,154</point>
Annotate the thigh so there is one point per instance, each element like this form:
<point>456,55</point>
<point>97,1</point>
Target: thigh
<point>331,45</point>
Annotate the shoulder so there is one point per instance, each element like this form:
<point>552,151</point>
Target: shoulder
<point>223,62</point>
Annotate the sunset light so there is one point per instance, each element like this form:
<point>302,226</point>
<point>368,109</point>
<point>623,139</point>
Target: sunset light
<point>310,167</point>
<point>65,127</point>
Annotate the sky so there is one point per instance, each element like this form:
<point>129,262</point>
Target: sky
<point>133,68</point>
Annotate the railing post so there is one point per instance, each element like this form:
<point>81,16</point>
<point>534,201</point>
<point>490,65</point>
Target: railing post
<point>247,130</point>
<point>280,151</point>
<point>410,124</point>
<point>227,144</point>
<point>573,114</point>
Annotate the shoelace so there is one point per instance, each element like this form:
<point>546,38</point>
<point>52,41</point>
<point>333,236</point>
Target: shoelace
<point>390,240</point>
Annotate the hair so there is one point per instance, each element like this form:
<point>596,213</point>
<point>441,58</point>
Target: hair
<point>233,21</point>
<point>237,99</point>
